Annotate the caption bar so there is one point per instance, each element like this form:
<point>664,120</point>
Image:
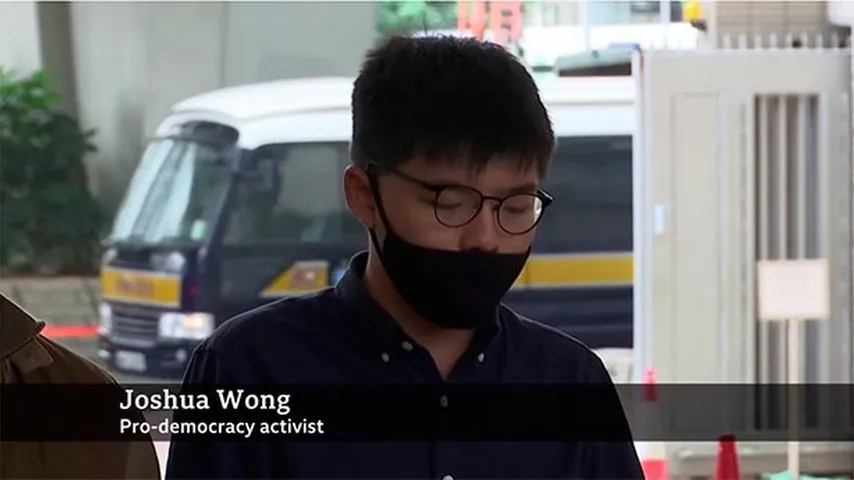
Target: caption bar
<point>234,400</point>
<point>475,413</point>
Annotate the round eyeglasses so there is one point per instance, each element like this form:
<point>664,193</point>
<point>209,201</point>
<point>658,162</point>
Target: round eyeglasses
<point>457,205</point>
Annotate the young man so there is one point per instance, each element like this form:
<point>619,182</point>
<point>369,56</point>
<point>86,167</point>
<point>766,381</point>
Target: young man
<point>450,143</point>
<point>28,358</point>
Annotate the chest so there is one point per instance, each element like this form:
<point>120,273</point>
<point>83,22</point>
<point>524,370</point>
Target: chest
<point>333,361</point>
<point>423,460</point>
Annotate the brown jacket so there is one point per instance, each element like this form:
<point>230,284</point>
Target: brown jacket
<point>26,356</point>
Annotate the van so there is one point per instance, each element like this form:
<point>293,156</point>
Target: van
<point>237,201</point>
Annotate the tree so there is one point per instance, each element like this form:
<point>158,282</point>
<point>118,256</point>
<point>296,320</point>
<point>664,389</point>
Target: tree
<point>405,17</point>
<point>49,221</point>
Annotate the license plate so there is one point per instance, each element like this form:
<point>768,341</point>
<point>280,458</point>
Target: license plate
<point>132,361</point>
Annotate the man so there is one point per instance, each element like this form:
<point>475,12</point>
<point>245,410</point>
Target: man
<point>450,143</point>
<point>28,358</point>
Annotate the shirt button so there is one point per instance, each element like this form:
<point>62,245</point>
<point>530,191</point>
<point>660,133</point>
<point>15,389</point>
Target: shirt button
<point>447,477</point>
<point>480,357</point>
<point>385,357</point>
<point>406,346</point>
<point>443,402</point>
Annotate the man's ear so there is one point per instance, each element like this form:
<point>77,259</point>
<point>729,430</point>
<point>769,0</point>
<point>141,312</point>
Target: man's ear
<point>357,192</point>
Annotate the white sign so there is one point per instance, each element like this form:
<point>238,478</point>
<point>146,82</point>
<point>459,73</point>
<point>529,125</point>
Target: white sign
<point>793,289</point>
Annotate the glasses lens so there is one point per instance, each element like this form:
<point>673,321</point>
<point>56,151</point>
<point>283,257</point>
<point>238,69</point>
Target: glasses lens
<point>520,212</point>
<point>456,206</point>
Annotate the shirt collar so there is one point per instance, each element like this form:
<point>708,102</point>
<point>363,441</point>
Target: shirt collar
<point>377,324</point>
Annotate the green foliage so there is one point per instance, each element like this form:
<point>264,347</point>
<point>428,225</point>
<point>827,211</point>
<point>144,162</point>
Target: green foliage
<point>49,221</point>
<point>404,17</point>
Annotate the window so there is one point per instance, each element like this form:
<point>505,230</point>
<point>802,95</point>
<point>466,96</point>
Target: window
<point>652,11</point>
<point>551,15</point>
<point>633,12</point>
<point>591,181</point>
<point>294,193</point>
<point>173,194</point>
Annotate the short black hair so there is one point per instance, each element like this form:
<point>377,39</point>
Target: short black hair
<point>449,99</point>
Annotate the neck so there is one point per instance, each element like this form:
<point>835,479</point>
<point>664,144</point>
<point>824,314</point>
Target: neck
<point>445,345</point>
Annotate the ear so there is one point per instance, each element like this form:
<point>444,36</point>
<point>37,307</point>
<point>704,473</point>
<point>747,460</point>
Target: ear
<point>357,192</point>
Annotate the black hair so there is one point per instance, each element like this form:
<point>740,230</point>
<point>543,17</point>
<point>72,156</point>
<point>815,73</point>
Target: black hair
<point>448,99</point>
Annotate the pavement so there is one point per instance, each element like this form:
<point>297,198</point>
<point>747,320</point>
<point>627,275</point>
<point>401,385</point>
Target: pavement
<point>88,347</point>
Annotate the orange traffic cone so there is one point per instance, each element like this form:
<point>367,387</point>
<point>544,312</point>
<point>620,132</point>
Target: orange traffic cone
<point>726,467</point>
<point>652,454</point>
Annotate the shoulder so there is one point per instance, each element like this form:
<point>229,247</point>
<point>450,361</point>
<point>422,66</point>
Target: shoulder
<point>259,344</point>
<point>290,315</point>
<point>558,355</point>
<point>67,366</point>
<point>35,358</point>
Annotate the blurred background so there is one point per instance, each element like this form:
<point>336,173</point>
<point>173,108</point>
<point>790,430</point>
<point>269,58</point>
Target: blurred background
<point>143,145</point>
<point>106,74</point>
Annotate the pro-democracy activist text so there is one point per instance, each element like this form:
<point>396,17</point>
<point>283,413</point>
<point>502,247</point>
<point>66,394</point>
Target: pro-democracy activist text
<point>168,427</point>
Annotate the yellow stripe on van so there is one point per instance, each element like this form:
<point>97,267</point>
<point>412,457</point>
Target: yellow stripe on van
<point>577,270</point>
<point>147,288</point>
<point>541,271</point>
<point>301,277</point>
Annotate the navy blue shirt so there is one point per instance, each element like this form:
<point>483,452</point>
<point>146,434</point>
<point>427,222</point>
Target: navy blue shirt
<point>341,336</point>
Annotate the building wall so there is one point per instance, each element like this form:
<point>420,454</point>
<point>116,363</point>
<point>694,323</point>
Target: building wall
<point>136,59</point>
<point>19,37</point>
<point>121,65</point>
<point>769,24</point>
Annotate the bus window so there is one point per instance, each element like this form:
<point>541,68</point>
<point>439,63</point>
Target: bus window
<point>591,181</point>
<point>172,197</point>
<point>304,202</point>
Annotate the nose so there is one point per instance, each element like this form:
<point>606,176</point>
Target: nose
<point>483,232</point>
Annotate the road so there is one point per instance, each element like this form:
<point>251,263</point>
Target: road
<point>87,348</point>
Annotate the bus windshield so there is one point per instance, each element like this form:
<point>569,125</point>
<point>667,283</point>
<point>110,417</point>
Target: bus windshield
<point>173,194</point>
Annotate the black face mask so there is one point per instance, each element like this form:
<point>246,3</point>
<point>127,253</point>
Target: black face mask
<point>452,289</point>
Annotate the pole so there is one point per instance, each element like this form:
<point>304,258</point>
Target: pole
<point>584,10</point>
<point>790,292</point>
<point>664,10</point>
<point>794,377</point>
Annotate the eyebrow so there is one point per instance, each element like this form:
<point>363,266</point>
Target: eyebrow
<point>524,188</point>
<point>528,187</point>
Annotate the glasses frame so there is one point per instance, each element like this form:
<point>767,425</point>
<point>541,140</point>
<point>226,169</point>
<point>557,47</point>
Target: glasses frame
<point>545,198</point>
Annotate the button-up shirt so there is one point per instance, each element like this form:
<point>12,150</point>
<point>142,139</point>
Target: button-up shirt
<point>341,336</point>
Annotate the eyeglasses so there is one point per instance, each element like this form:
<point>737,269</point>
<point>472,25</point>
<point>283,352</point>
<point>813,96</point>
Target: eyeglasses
<point>457,205</point>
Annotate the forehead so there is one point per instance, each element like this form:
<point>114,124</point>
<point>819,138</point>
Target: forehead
<point>498,171</point>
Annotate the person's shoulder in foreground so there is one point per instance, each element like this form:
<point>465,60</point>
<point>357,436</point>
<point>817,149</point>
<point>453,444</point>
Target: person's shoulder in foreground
<point>450,146</point>
<point>30,358</point>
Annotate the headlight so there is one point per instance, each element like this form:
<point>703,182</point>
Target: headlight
<point>192,326</point>
<point>170,262</point>
<point>105,319</point>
